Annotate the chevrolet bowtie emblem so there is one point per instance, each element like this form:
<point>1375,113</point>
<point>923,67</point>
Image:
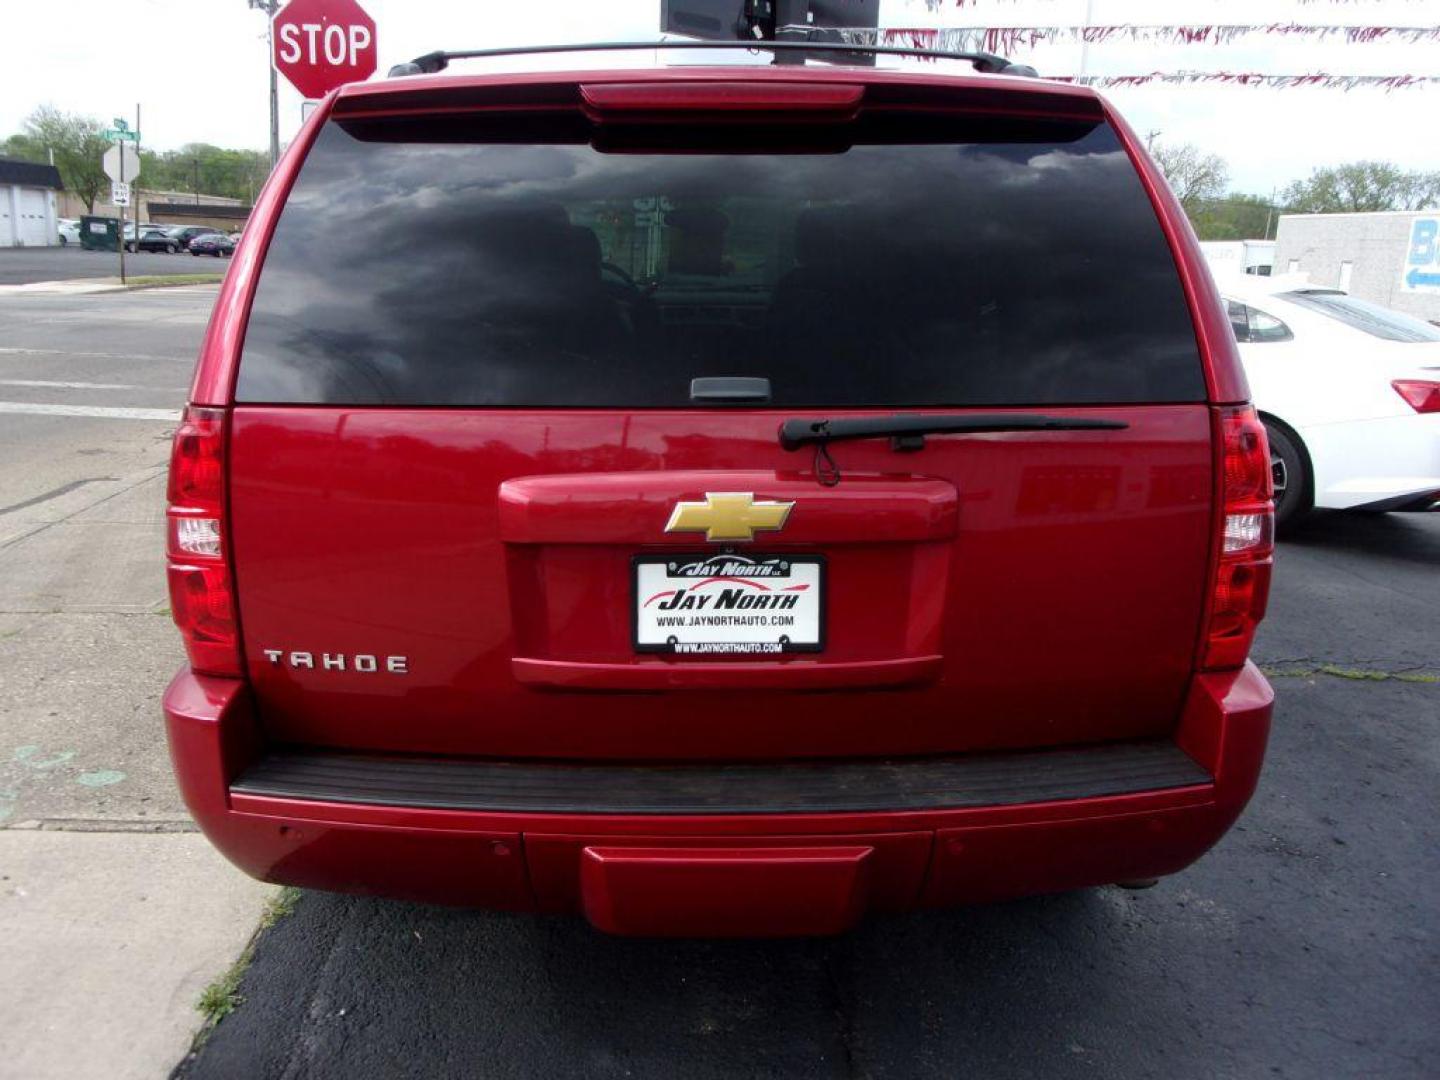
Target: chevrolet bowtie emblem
<point>728,515</point>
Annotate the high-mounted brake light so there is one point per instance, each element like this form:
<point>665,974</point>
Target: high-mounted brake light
<point>1420,394</point>
<point>201,597</point>
<point>1242,566</point>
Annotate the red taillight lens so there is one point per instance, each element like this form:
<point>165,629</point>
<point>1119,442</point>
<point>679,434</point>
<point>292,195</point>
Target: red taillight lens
<point>201,599</point>
<point>1420,394</point>
<point>1247,540</point>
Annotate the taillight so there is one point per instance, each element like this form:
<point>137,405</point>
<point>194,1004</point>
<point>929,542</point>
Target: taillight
<point>1247,540</point>
<point>1421,395</point>
<point>201,597</point>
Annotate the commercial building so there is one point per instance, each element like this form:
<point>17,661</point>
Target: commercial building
<point>27,203</point>
<point>1390,258</point>
<point>1239,256</point>
<point>168,207</point>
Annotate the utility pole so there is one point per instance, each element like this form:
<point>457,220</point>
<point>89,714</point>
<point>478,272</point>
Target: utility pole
<point>1085,37</point>
<point>270,7</point>
<point>135,194</point>
<point>195,161</point>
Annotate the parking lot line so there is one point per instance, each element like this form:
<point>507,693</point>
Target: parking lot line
<point>104,412</point>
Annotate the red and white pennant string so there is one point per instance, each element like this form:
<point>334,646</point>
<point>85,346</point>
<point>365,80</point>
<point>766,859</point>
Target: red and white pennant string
<point>1007,39</point>
<point>1247,78</point>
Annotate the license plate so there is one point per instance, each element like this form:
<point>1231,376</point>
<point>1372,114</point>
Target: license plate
<point>718,605</point>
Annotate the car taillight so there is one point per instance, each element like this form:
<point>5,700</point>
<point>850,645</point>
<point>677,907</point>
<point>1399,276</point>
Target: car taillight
<point>1247,540</point>
<point>1421,395</point>
<point>201,596</point>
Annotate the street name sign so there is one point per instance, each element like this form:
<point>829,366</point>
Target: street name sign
<point>321,44</point>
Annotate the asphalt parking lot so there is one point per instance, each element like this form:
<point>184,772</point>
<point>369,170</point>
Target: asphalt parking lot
<point>21,266</point>
<point>1305,945</point>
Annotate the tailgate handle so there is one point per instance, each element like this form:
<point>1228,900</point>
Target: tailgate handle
<point>720,389</point>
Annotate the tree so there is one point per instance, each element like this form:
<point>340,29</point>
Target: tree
<point>210,170</point>
<point>1195,176</point>
<point>1235,217</point>
<point>78,143</point>
<point>1361,186</point>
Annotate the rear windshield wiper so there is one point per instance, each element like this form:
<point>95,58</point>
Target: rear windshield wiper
<point>909,431</point>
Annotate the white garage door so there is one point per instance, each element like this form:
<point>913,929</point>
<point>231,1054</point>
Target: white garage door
<point>32,217</point>
<point>7,226</point>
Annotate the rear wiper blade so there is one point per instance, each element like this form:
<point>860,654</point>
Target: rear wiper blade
<point>802,432</point>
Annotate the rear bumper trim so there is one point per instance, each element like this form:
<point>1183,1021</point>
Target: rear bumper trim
<point>995,779</point>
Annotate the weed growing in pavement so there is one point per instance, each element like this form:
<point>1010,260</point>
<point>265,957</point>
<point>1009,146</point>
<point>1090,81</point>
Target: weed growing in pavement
<point>1354,674</point>
<point>222,997</point>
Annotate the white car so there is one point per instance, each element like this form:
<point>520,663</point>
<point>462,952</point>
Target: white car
<point>68,230</point>
<point>1349,392</point>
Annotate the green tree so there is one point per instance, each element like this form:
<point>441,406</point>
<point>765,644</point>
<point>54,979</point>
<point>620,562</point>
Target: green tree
<point>1195,176</point>
<point>23,147</point>
<point>206,169</point>
<point>1236,216</point>
<point>78,143</point>
<point>1360,186</point>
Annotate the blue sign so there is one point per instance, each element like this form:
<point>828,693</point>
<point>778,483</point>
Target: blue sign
<point>1422,257</point>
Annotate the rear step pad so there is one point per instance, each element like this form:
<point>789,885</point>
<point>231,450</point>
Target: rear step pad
<point>806,787</point>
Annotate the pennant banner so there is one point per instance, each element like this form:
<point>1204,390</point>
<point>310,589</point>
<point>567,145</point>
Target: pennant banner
<point>1006,40</point>
<point>935,5</point>
<point>1280,82</point>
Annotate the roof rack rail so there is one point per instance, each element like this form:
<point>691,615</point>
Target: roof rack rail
<point>988,63</point>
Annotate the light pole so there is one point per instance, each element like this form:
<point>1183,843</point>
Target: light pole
<point>269,7</point>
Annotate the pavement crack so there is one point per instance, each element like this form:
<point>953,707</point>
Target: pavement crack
<point>151,473</point>
<point>55,493</point>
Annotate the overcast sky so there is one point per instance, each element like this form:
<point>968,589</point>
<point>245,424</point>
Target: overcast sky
<point>198,67</point>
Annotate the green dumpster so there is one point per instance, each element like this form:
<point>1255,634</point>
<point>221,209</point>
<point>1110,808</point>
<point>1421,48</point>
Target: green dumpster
<point>99,233</point>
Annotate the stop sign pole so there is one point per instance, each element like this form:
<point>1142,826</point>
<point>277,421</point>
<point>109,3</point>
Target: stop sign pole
<point>321,44</point>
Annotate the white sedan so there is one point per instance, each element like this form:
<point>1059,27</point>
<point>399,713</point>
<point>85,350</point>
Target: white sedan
<point>1349,392</point>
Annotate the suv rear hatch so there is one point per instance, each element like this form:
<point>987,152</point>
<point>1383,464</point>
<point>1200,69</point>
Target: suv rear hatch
<point>473,482</point>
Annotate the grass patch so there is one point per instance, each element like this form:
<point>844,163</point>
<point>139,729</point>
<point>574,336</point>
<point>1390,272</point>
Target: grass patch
<point>279,906</point>
<point>222,997</point>
<point>153,281</point>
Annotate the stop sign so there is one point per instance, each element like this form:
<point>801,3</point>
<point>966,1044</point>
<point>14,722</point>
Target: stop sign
<point>319,44</point>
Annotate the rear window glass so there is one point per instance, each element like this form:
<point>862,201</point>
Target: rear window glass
<point>1375,320</point>
<point>412,267</point>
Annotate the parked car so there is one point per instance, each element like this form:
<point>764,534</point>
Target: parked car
<point>857,556</point>
<point>135,233</point>
<point>186,233</point>
<point>159,238</point>
<point>216,244</point>
<point>68,230</point>
<point>1349,392</point>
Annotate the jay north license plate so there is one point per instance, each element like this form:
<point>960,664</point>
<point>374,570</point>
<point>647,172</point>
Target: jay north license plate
<point>716,605</point>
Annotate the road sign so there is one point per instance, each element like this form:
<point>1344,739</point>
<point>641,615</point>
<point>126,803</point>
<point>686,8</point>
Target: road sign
<point>118,156</point>
<point>1421,272</point>
<point>121,135</point>
<point>119,194</point>
<point>320,44</point>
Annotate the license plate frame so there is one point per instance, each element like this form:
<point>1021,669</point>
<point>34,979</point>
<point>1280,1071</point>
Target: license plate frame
<point>813,574</point>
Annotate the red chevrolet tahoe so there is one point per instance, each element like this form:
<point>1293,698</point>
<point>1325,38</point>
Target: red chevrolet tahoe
<point>717,500</point>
